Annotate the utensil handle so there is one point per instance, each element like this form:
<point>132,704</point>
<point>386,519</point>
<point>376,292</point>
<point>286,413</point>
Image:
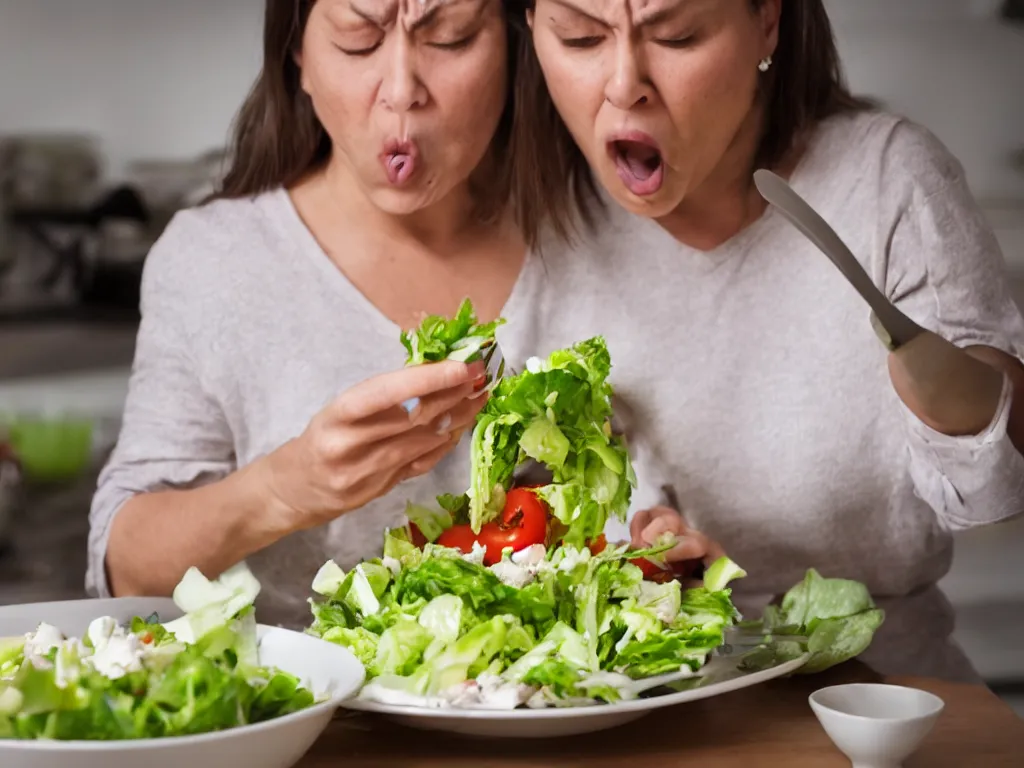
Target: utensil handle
<point>801,215</point>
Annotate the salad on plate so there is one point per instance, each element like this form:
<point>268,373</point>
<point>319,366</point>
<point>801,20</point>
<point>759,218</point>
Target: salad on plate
<point>509,596</point>
<point>196,674</point>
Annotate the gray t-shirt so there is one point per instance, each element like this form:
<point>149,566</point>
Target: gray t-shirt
<point>748,378</point>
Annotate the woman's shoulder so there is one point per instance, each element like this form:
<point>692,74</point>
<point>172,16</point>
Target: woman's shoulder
<point>893,154</point>
<point>206,254</point>
<point>218,228</point>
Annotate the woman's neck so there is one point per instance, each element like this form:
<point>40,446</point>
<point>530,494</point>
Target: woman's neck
<point>727,202</point>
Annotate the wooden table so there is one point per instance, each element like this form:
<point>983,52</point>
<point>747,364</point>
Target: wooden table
<point>769,725</point>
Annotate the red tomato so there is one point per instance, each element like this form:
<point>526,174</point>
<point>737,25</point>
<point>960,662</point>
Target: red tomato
<point>418,539</point>
<point>458,537</point>
<point>523,522</point>
<point>652,571</point>
<point>598,545</point>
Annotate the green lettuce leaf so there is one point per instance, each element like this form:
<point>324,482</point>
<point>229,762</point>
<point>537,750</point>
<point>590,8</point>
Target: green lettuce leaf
<point>459,338</point>
<point>837,617</point>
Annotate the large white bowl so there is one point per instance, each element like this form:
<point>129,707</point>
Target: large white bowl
<point>277,743</point>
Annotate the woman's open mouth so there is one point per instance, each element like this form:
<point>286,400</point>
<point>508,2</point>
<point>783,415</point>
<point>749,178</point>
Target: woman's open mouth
<point>638,162</point>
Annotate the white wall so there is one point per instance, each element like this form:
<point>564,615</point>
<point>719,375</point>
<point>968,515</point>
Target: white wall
<point>947,65</point>
<point>152,78</point>
<point>155,78</point>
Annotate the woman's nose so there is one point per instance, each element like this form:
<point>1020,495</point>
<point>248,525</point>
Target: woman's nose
<point>628,84</point>
<point>402,89</point>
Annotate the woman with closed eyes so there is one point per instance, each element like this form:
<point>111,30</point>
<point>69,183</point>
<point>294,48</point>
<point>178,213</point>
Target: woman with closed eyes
<point>269,416</point>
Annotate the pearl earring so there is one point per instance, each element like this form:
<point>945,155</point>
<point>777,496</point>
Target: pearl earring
<point>765,64</point>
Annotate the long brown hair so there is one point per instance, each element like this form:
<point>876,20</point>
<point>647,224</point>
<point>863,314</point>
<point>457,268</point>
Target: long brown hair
<point>804,86</point>
<point>278,139</point>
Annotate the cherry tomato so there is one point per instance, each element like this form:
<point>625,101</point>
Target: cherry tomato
<point>598,545</point>
<point>460,537</point>
<point>418,539</point>
<point>523,522</point>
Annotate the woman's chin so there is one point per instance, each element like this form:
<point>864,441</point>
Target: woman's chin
<point>651,206</point>
<point>404,201</point>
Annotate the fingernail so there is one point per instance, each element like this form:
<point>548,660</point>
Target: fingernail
<point>444,423</point>
<point>411,404</point>
<point>479,393</point>
<point>477,368</point>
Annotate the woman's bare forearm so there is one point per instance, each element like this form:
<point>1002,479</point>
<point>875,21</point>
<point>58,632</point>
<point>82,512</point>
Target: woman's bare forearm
<point>156,537</point>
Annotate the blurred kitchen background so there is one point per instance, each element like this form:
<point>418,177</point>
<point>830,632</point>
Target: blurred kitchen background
<point>114,114</point>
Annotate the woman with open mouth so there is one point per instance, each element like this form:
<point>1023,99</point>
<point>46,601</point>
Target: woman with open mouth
<point>754,384</point>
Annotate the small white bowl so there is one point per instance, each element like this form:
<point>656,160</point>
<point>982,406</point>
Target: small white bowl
<point>876,726</point>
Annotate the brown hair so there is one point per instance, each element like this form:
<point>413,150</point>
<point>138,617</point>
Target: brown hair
<point>278,139</point>
<point>804,86</point>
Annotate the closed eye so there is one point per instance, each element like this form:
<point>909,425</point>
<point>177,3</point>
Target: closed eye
<point>359,51</point>
<point>581,42</point>
<point>679,42</point>
<point>455,45</point>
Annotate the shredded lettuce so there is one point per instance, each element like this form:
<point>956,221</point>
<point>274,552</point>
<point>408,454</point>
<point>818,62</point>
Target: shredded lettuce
<point>558,413</point>
<point>444,619</point>
<point>197,674</point>
<point>560,625</point>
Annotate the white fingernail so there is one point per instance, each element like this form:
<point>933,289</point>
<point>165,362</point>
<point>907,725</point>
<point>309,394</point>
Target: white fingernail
<point>444,423</point>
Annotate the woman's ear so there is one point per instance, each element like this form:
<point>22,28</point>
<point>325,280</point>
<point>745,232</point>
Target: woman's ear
<point>529,18</point>
<point>770,11</point>
<point>298,59</point>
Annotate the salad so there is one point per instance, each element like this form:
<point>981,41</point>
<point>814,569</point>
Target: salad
<point>149,679</point>
<point>508,596</point>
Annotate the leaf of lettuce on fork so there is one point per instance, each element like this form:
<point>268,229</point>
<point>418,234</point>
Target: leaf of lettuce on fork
<point>460,338</point>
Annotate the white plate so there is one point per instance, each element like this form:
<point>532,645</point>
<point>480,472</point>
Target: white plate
<point>721,676</point>
<point>277,743</point>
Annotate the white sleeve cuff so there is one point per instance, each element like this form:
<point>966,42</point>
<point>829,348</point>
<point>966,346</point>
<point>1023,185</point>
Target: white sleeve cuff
<point>966,444</point>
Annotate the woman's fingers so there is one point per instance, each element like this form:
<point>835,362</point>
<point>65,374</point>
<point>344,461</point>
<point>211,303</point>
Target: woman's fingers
<point>442,411</point>
<point>428,461</point>
<point>650,525</point>
<point>640,525</point>
<point>404,389</point>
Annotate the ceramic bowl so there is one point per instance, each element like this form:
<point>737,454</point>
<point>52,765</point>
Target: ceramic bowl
<point>277,743</point>
<point>875,725</point>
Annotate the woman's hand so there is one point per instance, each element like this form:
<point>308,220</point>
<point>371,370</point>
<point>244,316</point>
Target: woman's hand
<point>691,545</point>
<point>372,437</point>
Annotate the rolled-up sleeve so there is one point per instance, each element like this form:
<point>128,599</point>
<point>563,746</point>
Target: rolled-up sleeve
<point>174,433</point>
<point>946,270</point>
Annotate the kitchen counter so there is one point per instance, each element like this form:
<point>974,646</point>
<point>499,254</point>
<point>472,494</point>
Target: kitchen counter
<point>766,725</point>
<point>59,348</point>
